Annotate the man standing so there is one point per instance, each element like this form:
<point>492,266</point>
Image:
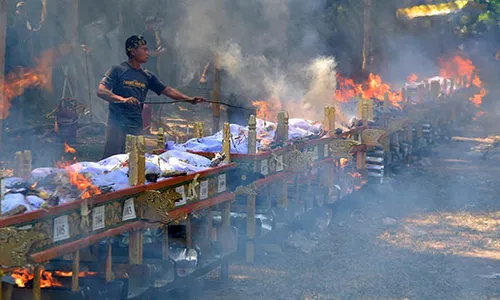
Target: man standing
<point>125,87</point>
<point>152,34</point>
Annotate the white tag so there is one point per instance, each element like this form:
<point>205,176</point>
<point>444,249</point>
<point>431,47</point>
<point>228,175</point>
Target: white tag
<point>221,187</point>
<point>204,189</point>
<point>61,228</point>
<point>182,191</point>
<point>326,151</point>
<point>279,163</point>
<point>129,210</point>
<point>25,227</point>
<point>98,217</point>
<point>264,167</point>
<point>337,187</point>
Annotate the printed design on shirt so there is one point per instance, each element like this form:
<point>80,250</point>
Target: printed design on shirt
<point>134,83</point>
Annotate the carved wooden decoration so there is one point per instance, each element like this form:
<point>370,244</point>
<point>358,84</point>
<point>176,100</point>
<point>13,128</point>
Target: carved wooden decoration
<point>131,149</point>
<point>282,127</point>
<point>15,246</point>
<point>160,144</point>
<point>141,160</point>
<point>252,135</point>
<point>198,130</point>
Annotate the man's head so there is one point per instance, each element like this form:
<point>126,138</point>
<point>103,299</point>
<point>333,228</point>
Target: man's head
<point>137,49</point>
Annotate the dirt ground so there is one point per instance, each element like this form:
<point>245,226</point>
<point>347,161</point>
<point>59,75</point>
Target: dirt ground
<point>433,232</point>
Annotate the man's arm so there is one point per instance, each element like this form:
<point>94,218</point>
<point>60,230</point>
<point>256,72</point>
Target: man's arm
<point>175,94</point>
<point>107,95</point>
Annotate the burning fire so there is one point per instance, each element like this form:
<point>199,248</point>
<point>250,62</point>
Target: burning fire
<point>432,9</point>
<point>41,75</point>
<point>412,78</point>
<point>82,183</point>
<point>267,110</point>
<point>459,67</point>
<point>23,276</point>
<point>373,88</point>
<point>343,163</point>
<point>70,274</point>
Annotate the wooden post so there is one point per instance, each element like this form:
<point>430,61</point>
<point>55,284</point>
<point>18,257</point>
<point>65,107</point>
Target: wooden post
<point>282,127</point>
<point>131,149</point>
<point>252,135</point>
<point>27,163</point>
<point>387,103</point>
<point>189,233</point>
<point>251,230</point>
<point>216,94</point>
<point>329,121</point>
<point>109,262</point>
<point>18,169</point>
<point>3,98</point>
<point>165,244</point>
<point>361,160</point>
<point>37,292</point>
<point>160,141</point>
<point>404,95</point>
<point>141,160</point>
<point>135,247</point>
<point>366,33</point>
<point>210,224</point>
<point>75,285</point>
<point>226,142</point>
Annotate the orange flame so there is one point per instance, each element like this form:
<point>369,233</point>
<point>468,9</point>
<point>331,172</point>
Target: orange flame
<point>41,75</point>
<point>477,99</point>
<point>374,88</point>
<point>23,276</point>
<point>479,114</point>
<point>69,274</point>
<point>343,163</point>
<point>267,110</point>
<point>69,149</point>
<point>412,78</point>
<point>82,183</point>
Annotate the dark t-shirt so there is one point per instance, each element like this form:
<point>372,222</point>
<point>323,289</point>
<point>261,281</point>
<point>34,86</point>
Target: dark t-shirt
<point>123,80</point>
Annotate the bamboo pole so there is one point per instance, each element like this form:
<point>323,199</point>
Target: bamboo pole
<point>109,261</point>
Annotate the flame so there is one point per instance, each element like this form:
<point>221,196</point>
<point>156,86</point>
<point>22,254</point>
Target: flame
<point>477,99</point>
<point>82,183</point>
<point>23,276</point>
<point>40,76</point>
<point>69,149</point>
<point>373,88</point>
<point>412,78</point>
<point>343,163</point>
<point>70,274</point>
<point>432,9</point>
<point>268,110</point>
<point>479,114</point>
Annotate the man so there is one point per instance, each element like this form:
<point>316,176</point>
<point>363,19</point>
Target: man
<point>125,87</point>
<point>152,35</point>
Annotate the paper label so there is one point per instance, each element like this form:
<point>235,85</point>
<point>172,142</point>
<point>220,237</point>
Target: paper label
<point>181,190</point>
<point>221,187</point>
<point>61,228</point>
<point>98,217</point>
<point>129,210</point>
<point>204,189</point>
<point>326,151</point>
<point>264,168</point>
<point>279,163</point>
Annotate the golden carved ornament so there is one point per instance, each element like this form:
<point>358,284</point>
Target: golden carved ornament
<point>16,246</point>
<point>300,161</point>
<point>341,148</point>
<point>371,137</point>
<point>155,205</point>
<point>396,125</point>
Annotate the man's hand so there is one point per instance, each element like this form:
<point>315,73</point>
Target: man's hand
<point>131,100</point>
<point>196,100</point>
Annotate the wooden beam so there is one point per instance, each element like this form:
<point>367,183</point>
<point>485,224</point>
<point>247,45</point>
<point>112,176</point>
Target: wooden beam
<point>75,284</point>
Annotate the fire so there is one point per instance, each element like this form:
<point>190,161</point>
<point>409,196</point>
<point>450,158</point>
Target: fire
<point>267,110</point>
<point>432,9</point>
<point>39,76</point>
<point>69,149</point>
<point>373,88</point>
<point>477,99</point>
<point>479,114</point>
<point>457,67</point>
<point>412,78</point>
<point>23,276</point>
<point>82,183</point>
<point>343,163</point>
<point>70,274</point>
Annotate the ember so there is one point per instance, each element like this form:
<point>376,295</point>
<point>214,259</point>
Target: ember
<point>23,276</point>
